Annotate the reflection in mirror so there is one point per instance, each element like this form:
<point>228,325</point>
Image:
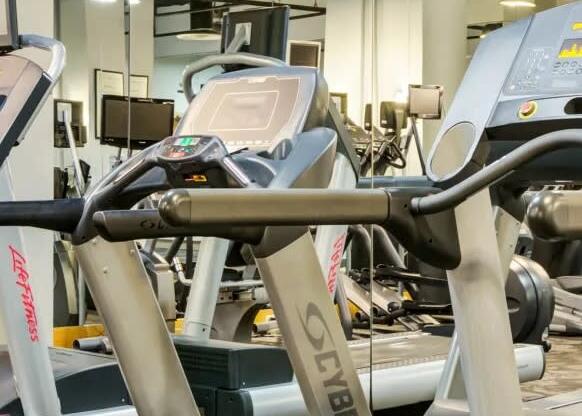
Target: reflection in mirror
<point>93,34</point>
<point>184,33</point>
<point>123,90</point>
<point>382,93</point>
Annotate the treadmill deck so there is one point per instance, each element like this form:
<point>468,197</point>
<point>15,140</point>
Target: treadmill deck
<point>398,350</point>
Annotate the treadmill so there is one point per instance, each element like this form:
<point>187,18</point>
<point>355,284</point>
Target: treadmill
<point>245,387</point>
<point>517,107</point>
<point>395,356</point>
<point>269,101</point>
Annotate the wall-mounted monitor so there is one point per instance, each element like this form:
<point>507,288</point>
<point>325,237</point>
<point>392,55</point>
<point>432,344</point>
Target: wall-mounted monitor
<point>9,40</point>
<point>425,101</point>
<point>304,53</point>
<point>151,121</point>
<point>267,27</point>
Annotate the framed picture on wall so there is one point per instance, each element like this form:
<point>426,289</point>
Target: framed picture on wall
<point>139,86</point>
<point>106,83</point>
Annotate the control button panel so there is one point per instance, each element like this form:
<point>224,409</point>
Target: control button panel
<point>530,73</point>
<point>181,147</point>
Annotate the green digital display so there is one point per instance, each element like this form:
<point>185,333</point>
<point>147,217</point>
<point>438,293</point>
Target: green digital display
<point>185,141</point>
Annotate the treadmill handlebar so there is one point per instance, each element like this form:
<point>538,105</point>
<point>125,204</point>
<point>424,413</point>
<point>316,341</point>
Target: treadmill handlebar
<point>239,58</point>
<point>496,171</point>
<point>249,207</point>
<point>61,215</point>
<point>431,238</point>
<point>56,48</point>
<point>124,225</point>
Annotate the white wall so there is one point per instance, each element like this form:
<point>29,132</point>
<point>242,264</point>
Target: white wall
<point>142,40</point>
<point>398,53</point>
<point>344,39</point>
<point>480,11</point>
<point>93,33</point>
<point>32,163</point>
<point>399,56</point>
<point>443,53</point>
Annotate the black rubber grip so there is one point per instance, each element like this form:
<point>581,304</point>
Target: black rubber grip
<point>124,225</point>
<point>60,215</point>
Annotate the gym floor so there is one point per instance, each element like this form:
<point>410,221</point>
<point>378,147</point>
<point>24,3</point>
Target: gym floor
<point>563,369</point>
<point>562,375</point>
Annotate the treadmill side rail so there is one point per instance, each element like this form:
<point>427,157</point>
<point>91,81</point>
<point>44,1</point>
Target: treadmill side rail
<point>395,384</point>
<point>489,372</point>
<point>201,306</point>
<point>312,333</point>
<point>27,344</point>
<point>116,277</point>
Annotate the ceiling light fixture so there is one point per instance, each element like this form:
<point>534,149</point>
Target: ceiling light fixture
<point>204,35</point>
<point>205,24</point>
<point>518,3</point>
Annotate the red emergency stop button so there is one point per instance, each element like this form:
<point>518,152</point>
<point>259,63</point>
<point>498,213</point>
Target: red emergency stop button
<point>528,109</point>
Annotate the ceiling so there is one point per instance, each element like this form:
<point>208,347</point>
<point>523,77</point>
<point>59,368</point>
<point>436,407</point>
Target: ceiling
<point>296,3</point>
<point>165,3</point>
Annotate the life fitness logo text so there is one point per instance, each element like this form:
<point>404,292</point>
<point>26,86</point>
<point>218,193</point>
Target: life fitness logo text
<point>327,361</point>
<point>22,279</point>
<point>335,263</point>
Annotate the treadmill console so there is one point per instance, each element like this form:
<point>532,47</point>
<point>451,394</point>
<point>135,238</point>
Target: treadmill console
<point>543,91</point>
<point>191,149</point>
<point>524,80</point>
<point>193,161</point>
<point>23,88</point>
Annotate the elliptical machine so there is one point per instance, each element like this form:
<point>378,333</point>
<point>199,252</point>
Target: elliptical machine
<point>529,296</point>
<point>552,220</point>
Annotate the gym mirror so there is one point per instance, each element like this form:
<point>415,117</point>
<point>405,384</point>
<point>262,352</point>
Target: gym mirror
<point>94,34</point>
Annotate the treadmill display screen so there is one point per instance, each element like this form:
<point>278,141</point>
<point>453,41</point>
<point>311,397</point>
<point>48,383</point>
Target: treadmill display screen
<point>246,110</point>
<point>571,49</point>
